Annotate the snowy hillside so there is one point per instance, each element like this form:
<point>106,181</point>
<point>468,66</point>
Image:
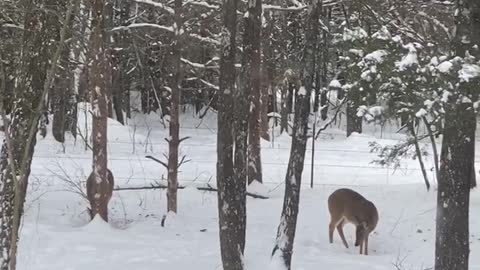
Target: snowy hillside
<point>56,233</point>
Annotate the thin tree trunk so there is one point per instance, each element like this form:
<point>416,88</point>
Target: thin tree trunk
<point>72,95</point>
<point>36,73</point>
<point>174,139</point>
<point>286,230</point>
<point>268,68</point>
<point>107,61</point>
<point>354,123</point>
<point>418,152</point>
<point>231,188</point>
<point>434,144</point>
<point>284,111</point>
<point>61,88</point>
<point>120,78</point>
<point>252,88</point>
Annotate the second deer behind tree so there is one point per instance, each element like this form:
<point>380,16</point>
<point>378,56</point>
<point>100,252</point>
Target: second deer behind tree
<point>99,194</point>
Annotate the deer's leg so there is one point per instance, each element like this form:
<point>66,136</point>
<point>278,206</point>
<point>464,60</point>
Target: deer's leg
<point>366,245</point>
<point>331,227</point>
<point>361,247</point>
<point>340,232</point>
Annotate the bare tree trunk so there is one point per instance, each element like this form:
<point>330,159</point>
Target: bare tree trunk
<point>434,144</point>
<point>174,140</point>
<point>452,243</point>
<point>231,187</point>
<point>252,87</point>
<point>452,230</point>
<point>107,61</point>
<point>354,123</point>
<point>62,87</point>
<point>121,80</point>
<point>418,152</point>
<point>100,184</point>
<point>268,68</point>
<point>286,230</point>
<point>36,70</point>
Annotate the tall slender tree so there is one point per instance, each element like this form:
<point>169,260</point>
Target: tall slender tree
<point>252,86</point>
<point>231,149</point>
<point>174,140</point>
<point>286,230</point>
<point>36,70</point>
<point>97,70</point>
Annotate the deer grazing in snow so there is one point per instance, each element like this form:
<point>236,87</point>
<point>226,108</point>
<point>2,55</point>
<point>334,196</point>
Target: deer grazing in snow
<point>99,194</point>
<point>348,206</point>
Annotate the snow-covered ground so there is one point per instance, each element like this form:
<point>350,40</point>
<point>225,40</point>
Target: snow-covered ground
<point>56,233</point>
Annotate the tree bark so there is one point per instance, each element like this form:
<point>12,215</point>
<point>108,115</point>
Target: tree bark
<point>121,80</point>
<point>231,187</point>
<point>418,152</point>
<point>354,123</point>
<point>428,125</point>
<point>174,140</point>
<point>452,230</point>
<point>63,85</point>
<point>252,87</point>
<point>286,230</point>
<point>36,69</point>
<point>98,68</point>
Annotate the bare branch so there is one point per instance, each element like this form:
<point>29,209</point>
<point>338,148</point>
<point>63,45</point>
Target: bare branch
<point>253,195</point>
<point>330,121</point>
<point>183,139</point>
<point>183,161</point>
<point>157,160</point>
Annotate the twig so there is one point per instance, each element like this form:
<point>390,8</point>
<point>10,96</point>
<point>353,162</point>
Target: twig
<point>144,187</point>
<point>256,196</point>
<point>157,160</point>
<point>330,121</point>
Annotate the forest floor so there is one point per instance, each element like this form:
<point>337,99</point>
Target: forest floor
<point>56,233</point>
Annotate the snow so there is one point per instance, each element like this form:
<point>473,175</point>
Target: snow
<point>382,34</point>
<point>357,33</point>
<point>445,67</point>
<point>421,113</point>
<point>410,59</point>
<point>57,234</point>
<point>376,56</point>
<point>302,91</point>
<point>356,52</point>
<point>469,72</point>
<point>335,84</point>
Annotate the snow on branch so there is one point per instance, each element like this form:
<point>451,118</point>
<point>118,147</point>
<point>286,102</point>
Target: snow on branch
<point>158,5</point>
<point>205,39</point>
<point>11,25</point>
<point>190,63</point>
<point>209,84</point>
<point>297,6</point>
<point>202,4</point>
<point>280,8</point>
<point>140,25</point>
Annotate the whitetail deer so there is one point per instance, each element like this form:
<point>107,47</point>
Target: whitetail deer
<point>99,194</point>
<point>348,206</point>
